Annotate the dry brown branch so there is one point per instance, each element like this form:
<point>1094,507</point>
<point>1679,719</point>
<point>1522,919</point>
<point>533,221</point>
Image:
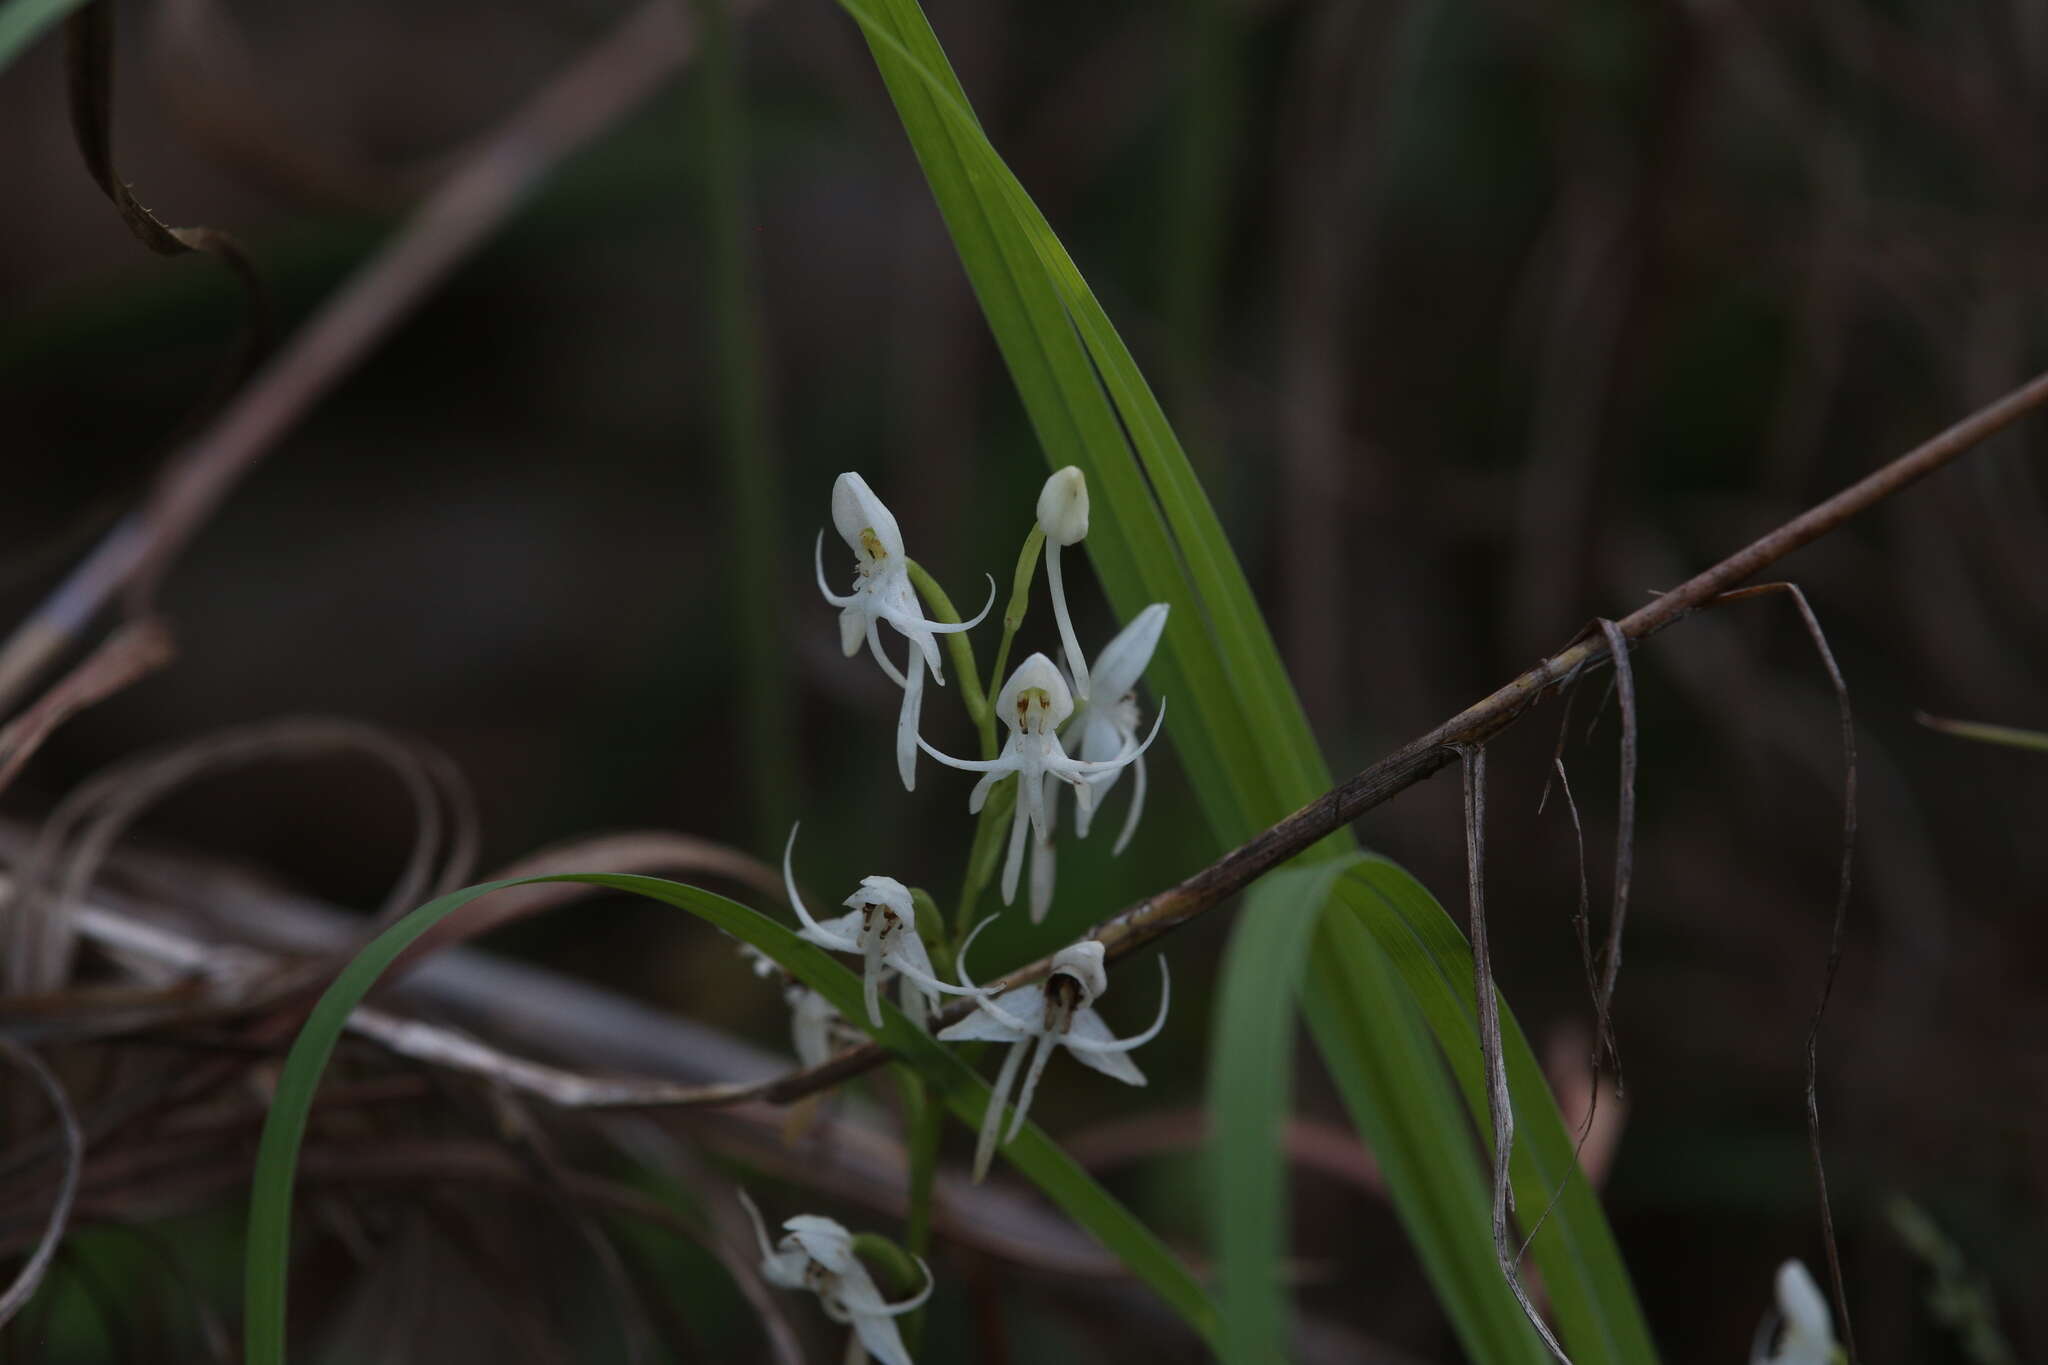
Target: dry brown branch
<point>136,649</point>
<point>604,84</point>
<point>1157,915</point>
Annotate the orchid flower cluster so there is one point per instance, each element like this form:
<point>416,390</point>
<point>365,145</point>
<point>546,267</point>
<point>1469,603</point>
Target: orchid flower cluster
<point>1069,726</point>
<point>818,1254</point>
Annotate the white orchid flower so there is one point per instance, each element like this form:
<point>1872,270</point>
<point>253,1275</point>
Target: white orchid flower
<point>882,591</point>
<point>1808,1335</point>
<point>1108,722</point>
<point>816,1027</point>
<point>1063,516</point>
<point>817,1254</point>
<point>1058,1013</point>
<point>880,925</point>
<point>1034,703</point>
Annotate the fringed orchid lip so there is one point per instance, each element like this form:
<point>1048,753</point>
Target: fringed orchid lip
<point>1064,1017</point>
<point>816,1254</point>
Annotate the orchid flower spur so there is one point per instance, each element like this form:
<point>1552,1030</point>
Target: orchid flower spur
<point>1108,721</point>
<point>882,591</point>
<point>1807,1336</point>
<point>1063,516</point>
<point>880,925</point>
<point>817,1254</point>
<point>1034,703</point>
<point>1058,1013</point>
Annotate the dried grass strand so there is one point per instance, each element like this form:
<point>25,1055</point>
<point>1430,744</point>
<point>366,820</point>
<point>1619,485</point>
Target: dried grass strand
<point>30,1277</point>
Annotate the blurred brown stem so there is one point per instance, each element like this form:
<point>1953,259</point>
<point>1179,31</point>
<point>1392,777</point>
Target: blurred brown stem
<point>611,79</point>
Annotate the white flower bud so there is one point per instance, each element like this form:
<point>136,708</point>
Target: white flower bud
<point>1063,506</point>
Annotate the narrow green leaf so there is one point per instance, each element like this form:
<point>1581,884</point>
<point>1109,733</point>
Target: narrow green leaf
<point>1251,1074</point>
<point>268,1250</point>
<point>1242,736</point>
<point>1379,1053</point>
<point>1988,734</point>
<point>1583,1274</point>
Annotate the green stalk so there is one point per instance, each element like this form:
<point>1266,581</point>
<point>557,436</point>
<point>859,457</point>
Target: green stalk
<point>1013,614</point>
<point>989,833</point>
<point>921,1120</point>
<point>961,648</point>
<point>752,477</point>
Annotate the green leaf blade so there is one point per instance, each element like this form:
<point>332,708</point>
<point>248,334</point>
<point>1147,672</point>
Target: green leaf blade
<point>268,1248</point>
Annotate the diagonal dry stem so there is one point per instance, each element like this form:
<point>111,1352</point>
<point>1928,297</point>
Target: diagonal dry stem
<point>1159,914</point>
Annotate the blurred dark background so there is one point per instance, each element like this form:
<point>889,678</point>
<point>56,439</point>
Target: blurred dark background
<point>1480,320</point>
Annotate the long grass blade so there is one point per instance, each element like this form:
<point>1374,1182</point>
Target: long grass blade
<point>1243,740</point>
<point>1250,1085</point>
<point>268,1249</point>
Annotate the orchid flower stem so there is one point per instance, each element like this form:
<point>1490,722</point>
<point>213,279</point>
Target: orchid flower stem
<point>987,848</point>
<point>1013,617</point>
<point>964,666</point>
<point>921,1121</point>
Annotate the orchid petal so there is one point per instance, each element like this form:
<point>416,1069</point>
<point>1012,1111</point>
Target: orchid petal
<point>871,977</point>
<point>1076,660</point>
<point>953,628</point>
<point>1137,806</point>
<point>1046,1043</point>
<point>992,1118</point>
<point>879,1337</point>
<point>818,561</point>
<point>1081,768</point>
<point>978,798</point>
<point>865,1300</point>
<point>1020,823</point>
<point>818,933</point>
<point>971,765</point>
<point>906,728</point>
<point>1136,1040</point>
<point>1118,1066</point>
<point>1043,865</point>
<point>982,1026</point>
<point>874,637</point>
<point>1124,659</point>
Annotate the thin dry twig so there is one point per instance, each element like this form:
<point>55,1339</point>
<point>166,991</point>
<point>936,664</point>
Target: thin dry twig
<point>1624,845</point>
<point>1841,911</point>
<point>604,84</point>
<point>1581,928</point>
<point>37,915</point>
<point>1500,1105</point>
<point>135,650</point>
<point>30,1277</point>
